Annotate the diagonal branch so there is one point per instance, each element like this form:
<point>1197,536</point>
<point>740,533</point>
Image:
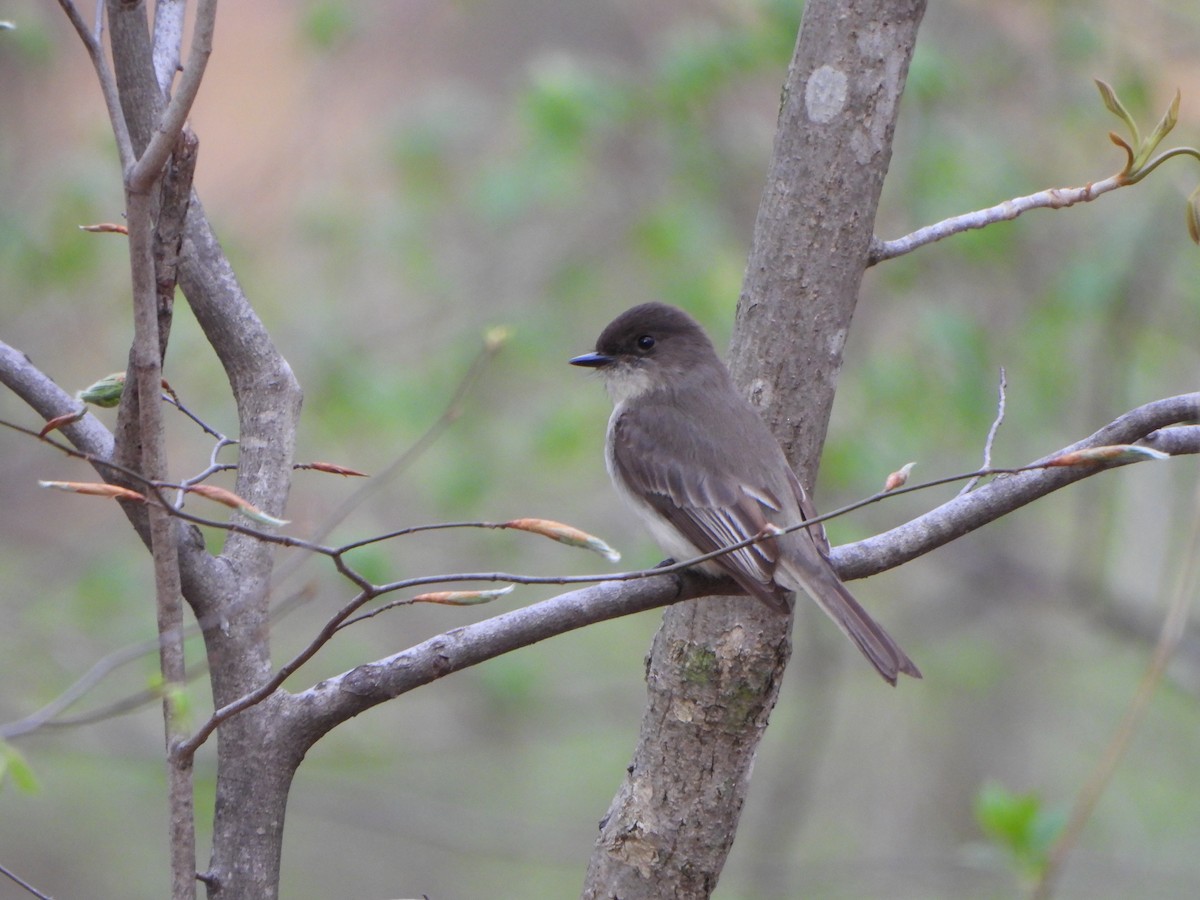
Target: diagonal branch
<point>317,710</point>
<point>104,74</point>
<point>95,443</point>
<point>322,707</point>
<point>970,511</point>
<point>1052,198</point>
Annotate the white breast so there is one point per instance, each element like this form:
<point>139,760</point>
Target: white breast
<point>674,544</point>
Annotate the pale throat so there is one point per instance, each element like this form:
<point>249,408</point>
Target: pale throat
<point>625,381</point>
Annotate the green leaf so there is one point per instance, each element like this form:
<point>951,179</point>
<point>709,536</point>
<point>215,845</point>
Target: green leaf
<point>14,765</point>
<point>1019,824</point>
<point>179,702</point>
<point>1006,817</point>
<point>1166,123</point>
<point>1114,105</point>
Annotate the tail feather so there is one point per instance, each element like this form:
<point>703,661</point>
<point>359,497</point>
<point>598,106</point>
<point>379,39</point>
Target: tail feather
<point>816,577</point>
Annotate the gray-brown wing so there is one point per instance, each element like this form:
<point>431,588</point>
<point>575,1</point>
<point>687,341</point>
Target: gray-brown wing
<point>710,507</point>
<point>808,511</point>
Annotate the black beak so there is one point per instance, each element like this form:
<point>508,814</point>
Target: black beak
<point>591,360</point>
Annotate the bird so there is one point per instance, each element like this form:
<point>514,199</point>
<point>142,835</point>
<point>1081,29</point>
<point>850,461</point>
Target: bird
<point>699,466</point>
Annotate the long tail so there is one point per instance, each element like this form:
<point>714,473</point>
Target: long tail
<point>815,575</point>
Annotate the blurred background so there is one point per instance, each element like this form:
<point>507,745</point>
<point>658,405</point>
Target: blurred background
<point>393,179</point>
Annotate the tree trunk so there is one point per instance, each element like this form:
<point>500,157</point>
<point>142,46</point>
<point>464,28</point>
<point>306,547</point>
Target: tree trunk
<point>716,664</point>
<point>254,774</point>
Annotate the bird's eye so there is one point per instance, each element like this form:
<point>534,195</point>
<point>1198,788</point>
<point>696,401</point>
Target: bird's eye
<point>645,342</point>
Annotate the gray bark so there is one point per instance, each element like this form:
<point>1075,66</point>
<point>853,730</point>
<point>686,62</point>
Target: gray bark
<point>716,664</point>
<point>254,768</point>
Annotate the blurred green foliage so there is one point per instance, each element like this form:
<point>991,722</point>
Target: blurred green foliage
<point>16,770</point>
<point>393,179</point>
<point>327,24</point>
<point>1020,824</point>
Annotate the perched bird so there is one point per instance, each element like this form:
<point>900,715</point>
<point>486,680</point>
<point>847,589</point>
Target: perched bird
<point>693,458</point>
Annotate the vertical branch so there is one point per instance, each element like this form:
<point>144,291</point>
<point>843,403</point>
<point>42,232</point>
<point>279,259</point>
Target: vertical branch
<point>142,432</point>
<point>146,363</point>
<point>149,166</point>
<point>716,664</point>
<point>168,41</point>
<point>254,767</point>
<point>145,360</point>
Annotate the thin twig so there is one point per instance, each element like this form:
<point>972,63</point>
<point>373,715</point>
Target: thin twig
<point>108,84</point>
<point>1169,405</point>
<point>202,734</point>
<point>146,363</point>
<point>1152,418</point>
<point>336,553</point>
<point>449,415</point>
<point>991,436</point>
<point>171,397</point>
<point>93,676</point>
<point>50,715</point>
<point>22,883</point>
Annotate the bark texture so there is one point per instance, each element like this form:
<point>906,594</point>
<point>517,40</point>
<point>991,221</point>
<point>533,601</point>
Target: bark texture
<point>715,667</point>
<point>229,594</point>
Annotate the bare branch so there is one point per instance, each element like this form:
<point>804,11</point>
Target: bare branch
<point>968,512</point>
<point>352,692</point>
<point>51,715</point>
<point>334,700</point>
<point>22,883</point>
<point>146,364</point>
<point>1138,164</point>
<point>94,443</point>
<point>1053,198</point>
<point>92,440</point>
<point>84,684</point>
<point>988,503</point>
<point>148,167</point>
<point>449,415</point>
<point>222,440</point>
<point>108,84</point>
<point>168,41</point>
<point>1145,420</point>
